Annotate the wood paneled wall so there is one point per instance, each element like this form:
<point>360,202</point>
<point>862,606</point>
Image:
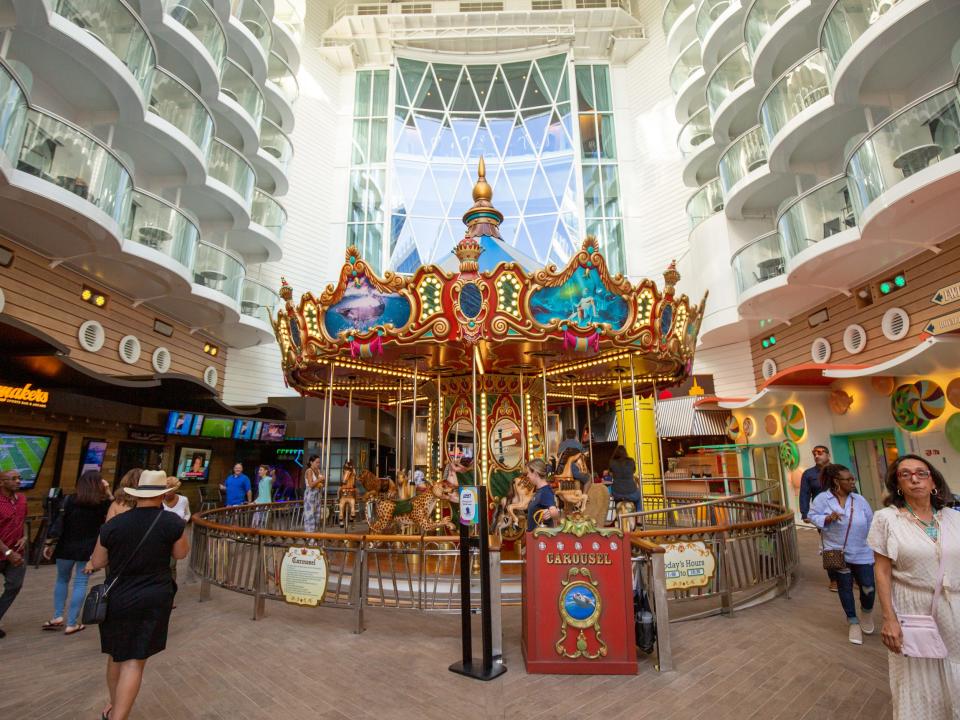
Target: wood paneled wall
<point>49,299</point>
<point>925,274</point>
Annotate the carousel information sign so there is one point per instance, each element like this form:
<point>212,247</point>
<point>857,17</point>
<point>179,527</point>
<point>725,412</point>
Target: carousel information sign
<point>469,504</point>
<point>688,565</point>
<point>303,576</point>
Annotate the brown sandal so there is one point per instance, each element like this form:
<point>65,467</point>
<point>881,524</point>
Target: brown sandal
<point>75,630</point>
<point>51,625</point>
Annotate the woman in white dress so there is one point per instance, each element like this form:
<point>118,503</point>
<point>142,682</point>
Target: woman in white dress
<point>908,537</point>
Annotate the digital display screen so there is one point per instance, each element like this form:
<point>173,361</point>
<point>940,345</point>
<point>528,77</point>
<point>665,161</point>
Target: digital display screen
<point>244,429</point>
<point>214,427</point>
<point>93,455</point>
<point>25,454</point>
<point>273,432</point>
<point>193,463</point>
<point>181,423</point>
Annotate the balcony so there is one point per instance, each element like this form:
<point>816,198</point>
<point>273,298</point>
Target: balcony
<point>272,162</point>
<point>289,27</point>
<point>258,304</point>
<point>749,188</point>
<point>705,202</point>
<point>262,241</point>
<point>281,92</point>
<point>687,81</point>
<point>761,16</point>
<point>229,167</point>
<point>731,95</point>
<point>174,101</point>
<point>780,32</point>
<point>677,22</point>
<point>716,24</point>
<point>224,199</point>
<point>250,36</point>
<point>698,148</point>
<point>794,92</point>
<point>192,41</point>
<point>219,271</point>
<point>13,113</point>
<point>240,105</point>
<point>685,66</point>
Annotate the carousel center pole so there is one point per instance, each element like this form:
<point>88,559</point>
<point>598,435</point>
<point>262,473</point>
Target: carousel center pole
<point>326,479</point>
<point>399,443</point>
<point>622,430</point>
<point>636,430</point>
<point>523,424</point>
<point>377,459</point>
<point>349,425</point>
<point>440,419</point>
<point>663,480</point>
<point>589,426</point>
<point>546,425</point>
<point>476,445</point>
<point>413,424</point>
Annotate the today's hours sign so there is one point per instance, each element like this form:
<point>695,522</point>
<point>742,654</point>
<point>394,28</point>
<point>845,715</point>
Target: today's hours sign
<point>688,565</point>
<point>303,576</point>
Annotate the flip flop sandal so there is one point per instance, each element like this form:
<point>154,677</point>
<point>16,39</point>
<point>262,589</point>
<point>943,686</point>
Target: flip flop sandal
<point>77,629</point>
<point>51,625</point>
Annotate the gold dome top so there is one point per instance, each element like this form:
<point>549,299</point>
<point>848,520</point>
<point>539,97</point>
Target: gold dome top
<point>482,190</point>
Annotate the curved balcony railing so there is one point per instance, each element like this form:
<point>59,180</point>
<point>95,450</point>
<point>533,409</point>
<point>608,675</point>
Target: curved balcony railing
<point>761,16</point>
<point>283,77</point>
<point>175,102</point>
<point>258,301</point>
<point>758,261</point>
<point>695,132</point>
<point>202,22</point>
<point>236,84</point>
<point>276,143</point>
<point>119,28</point>
<point>287,15</point>
<point>744,155</point>
<point>921,134</point>
<point>67,156</point>
<point>685,66</point>
<point>268,213</point>
<point>672,10</point>
<point>707,13</point>
<point>161,226</point>
<point>232,169</point>
<point>793,92</point>
<point>706,201</point>
<point>13,112</point>
<point>256,20</point>
<point>219,270</point>
<point>732,72</point>
<point>815,215</point>
<point>845,22</point>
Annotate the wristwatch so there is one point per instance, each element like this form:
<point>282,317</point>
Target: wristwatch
<point>8,553</point>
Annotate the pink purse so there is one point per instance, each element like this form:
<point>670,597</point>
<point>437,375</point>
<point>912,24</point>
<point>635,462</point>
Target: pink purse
<point>921,636</point>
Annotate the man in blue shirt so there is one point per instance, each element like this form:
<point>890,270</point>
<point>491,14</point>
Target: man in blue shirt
<point>237,487</point>
<point>810,488</point>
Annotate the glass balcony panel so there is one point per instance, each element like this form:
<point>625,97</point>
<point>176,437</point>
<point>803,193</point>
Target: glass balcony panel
<point>275,143</point>
<point>846,22</point>
<point>237,85</point>
<point>176,103</point>
<point>708,12</point>
<point>732,72</point>
<point>258,301</point>
<point>229,167</point>
<point>112,23</point>
<point>707,201</point>
<point>162,227</point>
<point>744,155</point>
<point>761,260</point>
<point>199,18</point>
<point>760,18</point>
<point>695,132</point>
<point>268,213</point>
<point>816,215</point>
<point>13,113</point>
<point>218,270</point>
<point>66,156</point>
<point>672,12</point>
<point>289,15</point>
<point>255,19</point>
<point>921,135</point>
<point>796,90</point>
<point>281,75</point>
<point>685,66</point>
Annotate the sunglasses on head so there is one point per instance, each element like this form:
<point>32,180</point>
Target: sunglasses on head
<point>821,452</point>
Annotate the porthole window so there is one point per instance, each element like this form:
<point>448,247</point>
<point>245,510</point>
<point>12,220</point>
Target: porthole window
<point>91,336</point>
<point>854,339</point>
<point>820,351</point>
<point>895,324</point>
<point>768,368</point>
<point>161,360</point>
<point>129,349</point>
<point>210,376</point>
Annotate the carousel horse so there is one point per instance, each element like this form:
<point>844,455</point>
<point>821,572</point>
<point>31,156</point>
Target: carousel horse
<point>404,486</point>
<point>414,513</point>
<point>347,496</point>
<point>568,487</point>
<point>509,516</point>
<point>626,524</point>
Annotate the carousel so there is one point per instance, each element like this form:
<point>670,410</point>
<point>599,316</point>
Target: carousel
<point>474,355</point>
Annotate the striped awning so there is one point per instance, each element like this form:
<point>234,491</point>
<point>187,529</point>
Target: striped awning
<point>677,417</point>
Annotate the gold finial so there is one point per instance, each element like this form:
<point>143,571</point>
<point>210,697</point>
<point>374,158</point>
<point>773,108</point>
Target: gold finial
<point>482,190</point>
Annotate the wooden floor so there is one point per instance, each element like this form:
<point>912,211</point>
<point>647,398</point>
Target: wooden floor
<point>785,659</point>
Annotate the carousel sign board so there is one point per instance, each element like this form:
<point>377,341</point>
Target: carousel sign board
<point>303,576</point>
<point>577,601</point>
<point>947,295</point>
<point>944,324</point>
<point>688,565</point>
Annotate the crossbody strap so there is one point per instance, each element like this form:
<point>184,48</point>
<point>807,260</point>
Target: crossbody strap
<point>123,565</point>
<point>849,524</point>
<point>939,586</point>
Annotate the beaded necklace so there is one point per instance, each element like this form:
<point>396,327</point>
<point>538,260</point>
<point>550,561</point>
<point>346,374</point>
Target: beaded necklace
<point>930,528</point>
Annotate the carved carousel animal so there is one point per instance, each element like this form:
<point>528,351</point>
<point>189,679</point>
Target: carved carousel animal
<point>509,516</point>
<point>628,524</point>
<point>405,489</point>
<point>374,485</point>
<point>568,487</point>
<point>347,496</point>
<point>413,513</point>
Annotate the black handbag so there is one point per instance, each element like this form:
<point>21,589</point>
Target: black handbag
<point>95,605</point>
<point>644,626</point>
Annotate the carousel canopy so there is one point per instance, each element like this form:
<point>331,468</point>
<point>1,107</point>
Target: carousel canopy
<point>575,331</point>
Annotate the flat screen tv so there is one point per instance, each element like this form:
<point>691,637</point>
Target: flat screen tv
<point>214,427</point>
<point>243,429</point>
<point>24,453</point>
<point>181,423</point>
<point>193,464</point>
<point>273,432</point>
<point>92,456</point>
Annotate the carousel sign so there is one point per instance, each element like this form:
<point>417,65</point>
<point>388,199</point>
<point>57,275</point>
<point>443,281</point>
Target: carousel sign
<point>303,576</point>
<point>688,565</point>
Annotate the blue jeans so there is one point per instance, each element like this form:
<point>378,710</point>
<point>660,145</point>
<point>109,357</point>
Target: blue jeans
<point>633,497</point>
<point>863,576</point>
<point>65,568</point>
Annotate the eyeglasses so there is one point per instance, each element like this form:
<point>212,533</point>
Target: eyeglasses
<point>907,474</point>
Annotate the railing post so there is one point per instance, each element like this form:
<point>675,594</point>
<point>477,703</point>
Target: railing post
<point>258,600</point>
<point>661,606</point>
<point>496,620</point>
<point>726,592</point>
<point>358,589</point>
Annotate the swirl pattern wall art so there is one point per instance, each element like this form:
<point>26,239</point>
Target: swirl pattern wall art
<point>793,421</point>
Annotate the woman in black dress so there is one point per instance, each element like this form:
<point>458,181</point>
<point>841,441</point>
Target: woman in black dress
<point>139,605</point>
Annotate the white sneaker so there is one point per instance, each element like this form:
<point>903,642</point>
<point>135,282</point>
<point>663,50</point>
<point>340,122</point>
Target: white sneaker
<point>855,635</point>
<point>866,622</point>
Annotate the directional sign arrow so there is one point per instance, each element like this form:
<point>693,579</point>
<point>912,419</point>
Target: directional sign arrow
<point>947,295</point>
<point>944,324</point>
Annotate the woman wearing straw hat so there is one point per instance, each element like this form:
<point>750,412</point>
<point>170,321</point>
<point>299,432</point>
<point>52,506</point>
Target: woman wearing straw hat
<point>138,609</point>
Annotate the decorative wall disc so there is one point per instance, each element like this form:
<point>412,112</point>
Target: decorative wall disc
<point>733,427</point>
<point>904,404</point>
<point>793,421</point>
<point>932,400</point>
<point>952,431</point>
<point>790,454</point>
<point>840,402</point>
<point>883,385</point>
<point>772,425</point>
<point>953,392</point>
<point>749,427</point>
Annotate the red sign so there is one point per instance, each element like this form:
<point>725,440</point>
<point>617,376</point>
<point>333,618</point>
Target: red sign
<point>578,601</point>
